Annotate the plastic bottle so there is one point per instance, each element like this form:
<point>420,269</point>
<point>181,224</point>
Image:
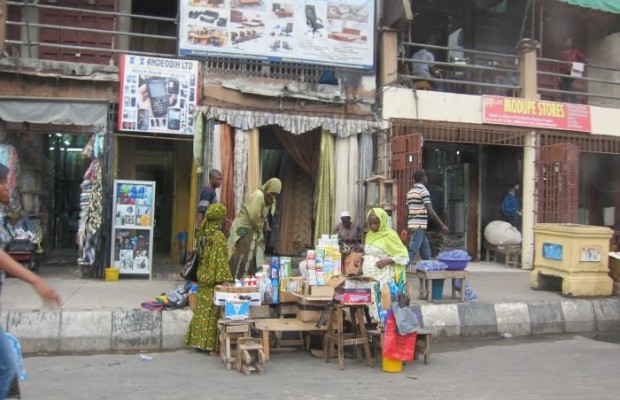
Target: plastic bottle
<point>275,268</point>
<point>274,291</point>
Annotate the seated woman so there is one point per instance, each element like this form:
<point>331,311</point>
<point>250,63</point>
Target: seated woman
<point>213,270</point>
<point>385,257</point>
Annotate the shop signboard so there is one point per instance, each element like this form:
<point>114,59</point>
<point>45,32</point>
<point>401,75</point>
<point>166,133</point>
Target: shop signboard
<point>132,227</point>
<point>536,114</point>
<point>157,95</point>
<point>330,32</point>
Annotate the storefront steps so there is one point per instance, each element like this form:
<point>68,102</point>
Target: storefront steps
<point>102,317</point>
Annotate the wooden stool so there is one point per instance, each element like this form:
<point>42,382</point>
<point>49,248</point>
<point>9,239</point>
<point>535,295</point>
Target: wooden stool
<point>230,333</point>
<point>250,355</point>
<point>335,333</point>
<point>511,253</point>
<point>426,282</point>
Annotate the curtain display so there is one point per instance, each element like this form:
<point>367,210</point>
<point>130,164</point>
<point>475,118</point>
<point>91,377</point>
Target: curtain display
<point>242,147</point>
<point>227,195</point>
<point>324,188</point>
<point>365,171</point>
<point>254,170</point>
<point>347,160</point>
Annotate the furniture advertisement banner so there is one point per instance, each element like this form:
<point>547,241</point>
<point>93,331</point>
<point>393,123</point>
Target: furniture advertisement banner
<point>536,113</point>
<point>331,32</point>
<point>157,95</point>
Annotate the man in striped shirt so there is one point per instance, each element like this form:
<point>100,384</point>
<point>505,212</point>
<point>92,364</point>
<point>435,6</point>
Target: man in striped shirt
<point>420,207</point>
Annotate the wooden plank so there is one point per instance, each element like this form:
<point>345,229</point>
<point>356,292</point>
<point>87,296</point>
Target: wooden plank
<point>442,274</point>
<point>286,325</point>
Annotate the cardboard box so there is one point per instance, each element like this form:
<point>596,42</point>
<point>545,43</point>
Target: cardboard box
<point>309,309</point>
<point>289,286</point>
<point>319,291</point>
<point>237,309</point>
<point>352,296</point>
<point>220,298</point>
<point>192,300</point>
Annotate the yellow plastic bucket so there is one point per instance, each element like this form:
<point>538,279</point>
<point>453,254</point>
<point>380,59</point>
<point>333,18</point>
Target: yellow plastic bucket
<point>391,365</point>
<point>111,274</point>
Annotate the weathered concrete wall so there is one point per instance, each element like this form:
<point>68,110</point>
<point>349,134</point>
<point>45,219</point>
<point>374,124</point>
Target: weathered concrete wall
<point>603,51</point>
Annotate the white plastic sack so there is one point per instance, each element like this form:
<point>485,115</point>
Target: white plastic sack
<point>502,233</point>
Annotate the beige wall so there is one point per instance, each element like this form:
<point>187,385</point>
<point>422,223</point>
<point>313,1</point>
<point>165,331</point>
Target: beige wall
<point>450,107</point>
<point>603,51</point>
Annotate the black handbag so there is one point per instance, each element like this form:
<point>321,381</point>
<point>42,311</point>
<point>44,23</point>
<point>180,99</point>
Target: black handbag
<point>190,270</point>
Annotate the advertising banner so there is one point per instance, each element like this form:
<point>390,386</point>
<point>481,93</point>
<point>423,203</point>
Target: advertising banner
<point>536,113</point>
<point>157,95</point>
<point>331,32</point>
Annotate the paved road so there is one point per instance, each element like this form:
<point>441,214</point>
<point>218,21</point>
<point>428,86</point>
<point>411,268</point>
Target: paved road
<point>553,368</point>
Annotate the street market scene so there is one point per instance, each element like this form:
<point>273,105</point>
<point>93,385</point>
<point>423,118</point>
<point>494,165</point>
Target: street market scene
<point>263,188</point>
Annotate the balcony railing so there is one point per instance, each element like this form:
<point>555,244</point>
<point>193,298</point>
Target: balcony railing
<point>97,35</point>
<point>463,71</point>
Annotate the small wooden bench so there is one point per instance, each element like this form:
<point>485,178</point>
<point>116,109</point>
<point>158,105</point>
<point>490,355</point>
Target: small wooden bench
<point>264,326</point>
<point>511,253</point>
<point>424,339</point>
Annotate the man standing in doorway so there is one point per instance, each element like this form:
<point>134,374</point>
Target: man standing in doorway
<point>208,195</point>
<point>420,207</point>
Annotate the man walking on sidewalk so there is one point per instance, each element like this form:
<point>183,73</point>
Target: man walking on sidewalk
<point>420,207</point>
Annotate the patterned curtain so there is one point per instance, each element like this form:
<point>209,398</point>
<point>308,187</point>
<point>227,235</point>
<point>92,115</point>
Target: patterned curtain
<point>226,149</point>
<point>254,167</point>
<point>242,148</point>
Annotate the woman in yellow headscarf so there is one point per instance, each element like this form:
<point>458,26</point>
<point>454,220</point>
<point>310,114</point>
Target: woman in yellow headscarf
<point>385,256</point>
<point>246,244</point>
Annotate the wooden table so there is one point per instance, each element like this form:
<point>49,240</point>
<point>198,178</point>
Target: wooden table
<point>264,326</point>
<point>427,277</point>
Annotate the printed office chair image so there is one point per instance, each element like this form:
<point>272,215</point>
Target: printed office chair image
<point>287,30</point>
<point>312,21</point>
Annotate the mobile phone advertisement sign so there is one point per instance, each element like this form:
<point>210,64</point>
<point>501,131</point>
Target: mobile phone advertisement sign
<point>330,32</point>
<point>157,95</point>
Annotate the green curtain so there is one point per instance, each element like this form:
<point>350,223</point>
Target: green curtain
<point>325,188</point>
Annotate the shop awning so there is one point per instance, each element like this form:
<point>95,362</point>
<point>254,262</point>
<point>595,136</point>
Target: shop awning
<point>52,111</point>
<point>610,6</point>
<point>296,124</point>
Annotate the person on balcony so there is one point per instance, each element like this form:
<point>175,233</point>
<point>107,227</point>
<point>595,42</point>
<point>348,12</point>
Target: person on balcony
<point>573,60</point>
<point>425,68</point>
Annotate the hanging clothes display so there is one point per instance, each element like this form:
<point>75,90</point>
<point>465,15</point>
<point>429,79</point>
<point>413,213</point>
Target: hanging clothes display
<point>227,195</point>
<point>347,159</point>
<point>91,211</point>
<point>364,171</point>
<point>324,188</point>
<point>242,145</point>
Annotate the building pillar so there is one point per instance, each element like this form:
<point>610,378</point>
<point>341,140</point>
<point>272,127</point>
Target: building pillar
<point>529,84</point>
<point>388,57</point>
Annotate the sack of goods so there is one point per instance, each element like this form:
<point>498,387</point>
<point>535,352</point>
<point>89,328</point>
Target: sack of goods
<point>502,233</point>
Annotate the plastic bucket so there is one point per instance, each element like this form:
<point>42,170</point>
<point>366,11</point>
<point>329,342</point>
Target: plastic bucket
<point>437,289</point>
<point>391,365</point>
<point>111,274</point>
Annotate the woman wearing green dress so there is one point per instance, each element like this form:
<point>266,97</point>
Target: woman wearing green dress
<point>213,270</point>
<point>246,244</point>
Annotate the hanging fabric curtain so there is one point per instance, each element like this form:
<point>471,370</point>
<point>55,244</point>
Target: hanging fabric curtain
<point>365,171</point>
<point>216,153</point>
<point>302,148</point>
<point>254,167</point>
<point>347,159</point>
<point>242,147</point>
<point>227,195</point>
<point>324,188</point>
<point>198,141</point>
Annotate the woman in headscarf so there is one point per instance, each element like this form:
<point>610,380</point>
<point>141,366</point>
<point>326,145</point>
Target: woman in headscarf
<point>385,257</point>
<point>213,270</point>
<point>246,244</point>
<point>8,364</point>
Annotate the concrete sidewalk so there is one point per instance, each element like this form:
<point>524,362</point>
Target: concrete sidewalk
<point>99,316</point>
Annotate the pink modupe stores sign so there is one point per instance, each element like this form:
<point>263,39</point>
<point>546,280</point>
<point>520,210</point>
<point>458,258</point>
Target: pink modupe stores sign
<point>536,113</point>
<point>157,95</point>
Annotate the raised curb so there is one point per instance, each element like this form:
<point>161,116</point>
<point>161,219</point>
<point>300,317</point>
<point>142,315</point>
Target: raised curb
<point>89,331</point>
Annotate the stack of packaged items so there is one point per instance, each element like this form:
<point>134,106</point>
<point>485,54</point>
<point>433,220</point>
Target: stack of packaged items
<point>311,267</point>
<point>327,262</point>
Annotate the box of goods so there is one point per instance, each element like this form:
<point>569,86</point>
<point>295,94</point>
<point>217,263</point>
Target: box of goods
<point>290,286</point>
<point>226,293</point>
<point>236,309</point>
<point>323,291</point>
<point>309,309</point>
<point>352,296</point>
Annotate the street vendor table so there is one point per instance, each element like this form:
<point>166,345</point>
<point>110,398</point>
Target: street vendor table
<point>427,278</point>
<point>264,326</point>
<point>335,333</point>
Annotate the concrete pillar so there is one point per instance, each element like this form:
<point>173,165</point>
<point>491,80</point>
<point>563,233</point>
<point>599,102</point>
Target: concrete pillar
<point>123,24</point>
<point>529,84</point>
<point>388,57</point>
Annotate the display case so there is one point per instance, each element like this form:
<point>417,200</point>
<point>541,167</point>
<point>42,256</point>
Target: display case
<point>132,227</point>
